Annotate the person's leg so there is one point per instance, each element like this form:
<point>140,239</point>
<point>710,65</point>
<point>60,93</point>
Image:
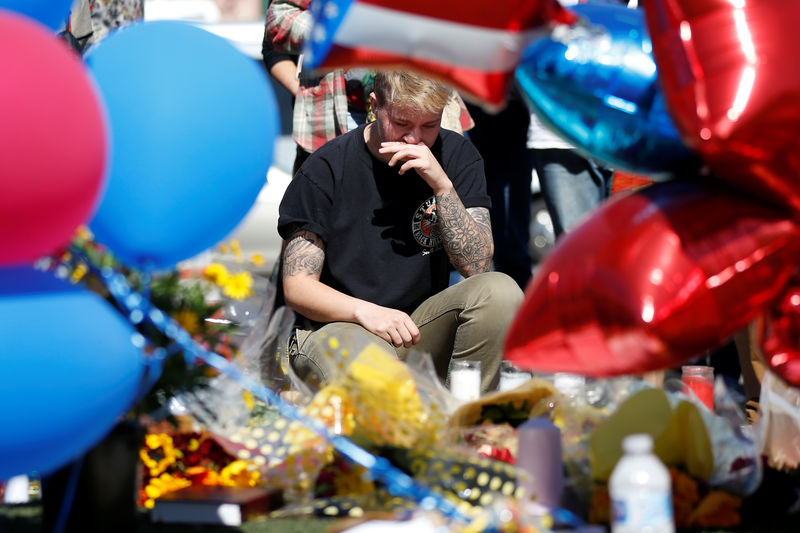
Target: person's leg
<point>509,187</point>
<point>319,359</point>
<point>501,139</point>
<point>572,185</point>
<point>518,257</point>
<point>468,321</point>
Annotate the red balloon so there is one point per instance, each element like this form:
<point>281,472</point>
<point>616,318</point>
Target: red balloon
<point>53,141</point>
<point>652,279</point>
<point>779,336</point>
<point>726,70</point>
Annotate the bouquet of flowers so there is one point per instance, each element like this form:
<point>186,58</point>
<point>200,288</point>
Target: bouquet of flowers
<point>195,298</point>
<point>174,461</point>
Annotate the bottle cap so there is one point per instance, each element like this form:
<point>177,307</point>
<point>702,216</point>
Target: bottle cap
<point>637,443</point>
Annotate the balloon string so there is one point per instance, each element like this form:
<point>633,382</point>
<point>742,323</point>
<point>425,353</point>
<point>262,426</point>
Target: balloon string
<point>397,482</point>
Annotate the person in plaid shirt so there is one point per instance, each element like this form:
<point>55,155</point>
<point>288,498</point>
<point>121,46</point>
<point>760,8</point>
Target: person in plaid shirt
<point>321,103</point>
<point>332,104</point>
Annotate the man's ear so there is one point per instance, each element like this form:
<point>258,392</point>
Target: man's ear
<point>373,100</point>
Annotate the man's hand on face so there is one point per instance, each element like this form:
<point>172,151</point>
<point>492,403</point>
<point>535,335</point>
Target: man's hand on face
<point>420,158</point>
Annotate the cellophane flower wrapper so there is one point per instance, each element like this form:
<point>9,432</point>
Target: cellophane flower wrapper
<point>778,430</point>
<point>392,408</point>
<point>288,455</point>
<point>398,410</point>
<point>737,455</point>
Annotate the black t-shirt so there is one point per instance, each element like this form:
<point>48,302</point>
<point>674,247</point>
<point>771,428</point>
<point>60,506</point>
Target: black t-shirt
<point>379,227</point>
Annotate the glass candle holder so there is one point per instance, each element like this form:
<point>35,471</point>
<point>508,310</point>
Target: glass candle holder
<point>572,386</point>
<point>465,380</point>
<point>511,376</point>
<point>699,380</point>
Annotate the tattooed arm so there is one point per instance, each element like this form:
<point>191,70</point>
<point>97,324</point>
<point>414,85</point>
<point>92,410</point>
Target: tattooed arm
<point>303,257</point>
<point>466,234</point>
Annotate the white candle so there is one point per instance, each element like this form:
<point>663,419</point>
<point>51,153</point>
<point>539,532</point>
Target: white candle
<point>465,380</point>
<point>511,377</point>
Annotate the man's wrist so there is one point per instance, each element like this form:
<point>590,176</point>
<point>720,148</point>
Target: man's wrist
<point>444,189</point>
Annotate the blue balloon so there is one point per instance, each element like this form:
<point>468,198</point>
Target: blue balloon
<point>68,368</point>
<point>597,86</point>
<point>51,13</point>
<point>193,124</point>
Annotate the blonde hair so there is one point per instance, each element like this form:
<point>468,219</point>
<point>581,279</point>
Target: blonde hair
<point>406,89</point>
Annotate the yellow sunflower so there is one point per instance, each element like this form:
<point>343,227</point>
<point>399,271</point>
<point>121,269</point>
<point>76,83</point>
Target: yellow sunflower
<point>216,273</point>
<point>162,444</point>
<point>238,286</point>
<point>257,259</point>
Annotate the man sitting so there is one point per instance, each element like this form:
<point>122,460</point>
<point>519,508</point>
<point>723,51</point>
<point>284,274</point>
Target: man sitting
<point>372,222</point>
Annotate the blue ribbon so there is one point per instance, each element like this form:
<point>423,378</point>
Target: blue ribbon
<point>138,308</point>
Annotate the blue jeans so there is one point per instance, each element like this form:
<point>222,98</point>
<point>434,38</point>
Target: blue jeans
<point>572,185</point>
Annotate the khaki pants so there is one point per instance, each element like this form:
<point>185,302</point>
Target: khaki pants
<point>467,320</point>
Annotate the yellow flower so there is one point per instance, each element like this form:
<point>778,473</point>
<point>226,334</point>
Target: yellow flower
<point>249,400</point>
<point>216,273</point>
<point>158,486</point>
<point>238,286</point>
<point>239,474</point>
<point>237,251</point>
<point>257,259</point>
<point>77,274</point>
<point>188,320</point>
<point>223,248</point>
<point>82,232</point>
<point>163,443</point>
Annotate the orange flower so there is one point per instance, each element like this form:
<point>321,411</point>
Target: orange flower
<point>685,495</point>
<point>718,509</point>
<point>600,508</point>
<point>188,320</point>
<point>203,476</point>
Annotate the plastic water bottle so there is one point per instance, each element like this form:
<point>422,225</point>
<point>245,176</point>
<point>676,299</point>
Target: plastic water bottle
<point>640,490</point>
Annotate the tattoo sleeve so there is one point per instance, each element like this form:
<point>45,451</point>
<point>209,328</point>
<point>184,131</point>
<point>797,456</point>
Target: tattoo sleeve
<point>304,254</point>
<point>466,234</point>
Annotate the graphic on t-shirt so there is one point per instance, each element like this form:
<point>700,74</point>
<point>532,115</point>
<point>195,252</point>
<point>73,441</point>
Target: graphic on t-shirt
<point>425,225</point>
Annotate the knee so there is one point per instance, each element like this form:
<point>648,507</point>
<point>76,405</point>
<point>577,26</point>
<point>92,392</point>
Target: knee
<point>498,294</point>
